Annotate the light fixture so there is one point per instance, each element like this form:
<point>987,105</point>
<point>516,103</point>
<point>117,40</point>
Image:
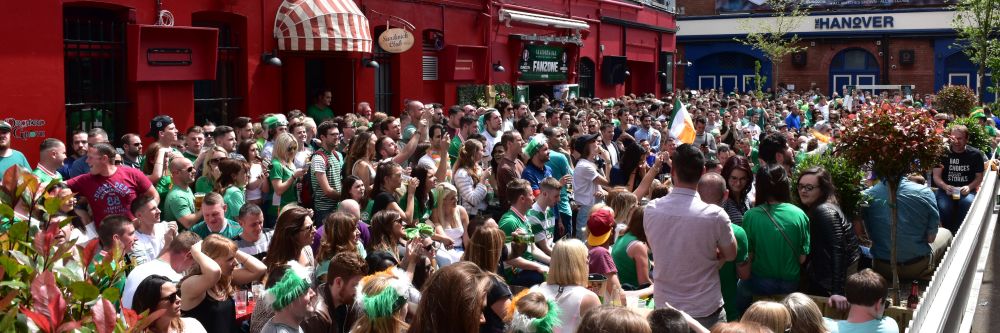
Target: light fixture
<point>497,67</point>
<point>627,73</point>
<point>662,74</point>
<point>271,58</point>
<point>370,62</point>
<point>689,64</point>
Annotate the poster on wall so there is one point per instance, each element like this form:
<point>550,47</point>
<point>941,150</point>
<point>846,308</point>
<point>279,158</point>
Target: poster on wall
<point>543,63</point>
<point>760,5</point>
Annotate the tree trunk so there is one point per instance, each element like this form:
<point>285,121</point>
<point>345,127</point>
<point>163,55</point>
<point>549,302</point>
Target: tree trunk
<point>774,80</point>
<point>893,185</point>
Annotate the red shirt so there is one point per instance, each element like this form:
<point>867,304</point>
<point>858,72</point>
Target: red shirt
<point>111,195</point>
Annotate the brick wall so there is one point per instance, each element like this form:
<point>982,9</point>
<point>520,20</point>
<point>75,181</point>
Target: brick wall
<point>697,7</point>
<point>816,72</point>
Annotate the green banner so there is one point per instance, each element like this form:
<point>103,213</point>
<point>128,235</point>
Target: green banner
<point>543,63</point>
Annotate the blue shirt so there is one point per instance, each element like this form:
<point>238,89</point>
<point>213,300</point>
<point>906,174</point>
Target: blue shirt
<point>651,135</point>
<point>793,121</point>
<point>918,217</point>
<point>15,158</point>
<point>534,175</point>
<point>79,167</point>
<point>559,164</point>
<point>67,163</point>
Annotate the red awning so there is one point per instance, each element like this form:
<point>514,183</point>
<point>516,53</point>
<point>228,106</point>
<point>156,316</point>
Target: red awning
<point>322,25</point>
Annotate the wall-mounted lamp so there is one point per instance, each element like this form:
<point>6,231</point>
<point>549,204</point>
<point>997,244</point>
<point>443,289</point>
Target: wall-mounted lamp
<point>627,73</point>
<point>662,74</point>
<point>370,62</point>
<point>497,67</point>
<point>271,58</point>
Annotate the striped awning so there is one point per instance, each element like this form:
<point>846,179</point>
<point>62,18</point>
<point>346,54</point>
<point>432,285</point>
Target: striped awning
<point>322,25</point>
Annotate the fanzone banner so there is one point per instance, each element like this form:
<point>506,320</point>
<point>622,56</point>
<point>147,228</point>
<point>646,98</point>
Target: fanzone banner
<point>760,5</point>
<point>543,63</point>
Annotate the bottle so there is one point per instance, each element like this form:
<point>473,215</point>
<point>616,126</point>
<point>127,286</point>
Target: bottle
<point>914,299</point>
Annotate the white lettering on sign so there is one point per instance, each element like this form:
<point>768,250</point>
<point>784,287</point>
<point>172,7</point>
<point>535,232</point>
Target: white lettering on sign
<point>544,66</point>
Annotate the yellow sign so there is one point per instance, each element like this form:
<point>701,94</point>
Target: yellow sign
<point>395,40</point>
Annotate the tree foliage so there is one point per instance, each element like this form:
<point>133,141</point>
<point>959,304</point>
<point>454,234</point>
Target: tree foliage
<point>977,22</point>
<point>956,100</point>
<point>773,35</point>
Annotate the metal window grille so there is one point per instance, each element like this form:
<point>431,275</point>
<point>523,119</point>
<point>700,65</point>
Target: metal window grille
<point>383,80</point>
<point>430,65</point>
<point>220,100</point>
<point>586,70</point>
<point>94,56</point>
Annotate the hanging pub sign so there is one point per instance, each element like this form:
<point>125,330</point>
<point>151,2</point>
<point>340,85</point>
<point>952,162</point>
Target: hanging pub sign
<point>543,63</point>
<point>395,40</point>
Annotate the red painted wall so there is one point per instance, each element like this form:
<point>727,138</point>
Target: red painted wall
<point>34,87</point>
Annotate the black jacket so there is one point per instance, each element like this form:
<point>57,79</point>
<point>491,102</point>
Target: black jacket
<point>834,247</point>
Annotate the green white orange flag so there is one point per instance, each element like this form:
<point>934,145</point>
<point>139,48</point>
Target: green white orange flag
<point>681,126</point>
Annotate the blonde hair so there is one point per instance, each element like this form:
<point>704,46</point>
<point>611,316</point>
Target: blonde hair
<point>806,316</point>
<point>215,246</point>
<point>370,286</point>
<point>569,263</point>
<point>206,168</point>
<point>285,147</point>
<point>769,314</point>
<point>623,204</point>
<point>485,248</point>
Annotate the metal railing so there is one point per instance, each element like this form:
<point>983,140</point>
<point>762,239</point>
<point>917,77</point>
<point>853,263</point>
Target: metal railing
<point>950,300</point>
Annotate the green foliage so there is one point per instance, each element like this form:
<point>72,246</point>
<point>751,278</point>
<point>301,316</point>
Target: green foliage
<point>46,280</point>
<point>893,141</point>
<point>957,100</point>
<point>978,137</point>
<point>473,94</point>
<point>774,37</point>
<point>976,23</point>
<point>847,177</point>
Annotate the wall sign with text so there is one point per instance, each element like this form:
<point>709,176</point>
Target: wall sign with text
<point>395,40</point>
<point>855,22</point>
<point>543,63</point>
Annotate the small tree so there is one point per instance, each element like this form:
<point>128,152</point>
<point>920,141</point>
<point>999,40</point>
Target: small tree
<point>771,35</point>
<point>956,100</point>
<point>977,22</point>
<point>892,141</point>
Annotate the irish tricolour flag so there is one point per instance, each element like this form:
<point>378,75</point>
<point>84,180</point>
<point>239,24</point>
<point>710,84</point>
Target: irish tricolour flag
<point>681,126</point>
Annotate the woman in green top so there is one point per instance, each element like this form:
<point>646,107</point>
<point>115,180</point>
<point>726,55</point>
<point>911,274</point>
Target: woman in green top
<point>283,174</point>
<point>210,169</point>
<point>631,254</point>
<point>155,168</point>
<point>778,236</point>
<point>233,178</point>
<point>421,198</point>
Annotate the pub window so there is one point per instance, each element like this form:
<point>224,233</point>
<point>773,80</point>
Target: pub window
<point>220,100</point>
<point>94,59</point>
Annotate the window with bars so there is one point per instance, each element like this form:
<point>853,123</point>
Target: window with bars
<point>220,100</point>
<point>94,59</point>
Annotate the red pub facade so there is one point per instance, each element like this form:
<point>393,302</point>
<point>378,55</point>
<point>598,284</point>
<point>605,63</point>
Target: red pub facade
<point>72,65</point>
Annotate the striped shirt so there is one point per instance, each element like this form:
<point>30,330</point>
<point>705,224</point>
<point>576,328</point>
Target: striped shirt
<point>543,224</point>
<point>332,168</point>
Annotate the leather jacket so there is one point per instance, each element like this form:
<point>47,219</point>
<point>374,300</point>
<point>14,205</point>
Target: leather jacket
<point>834,247</point>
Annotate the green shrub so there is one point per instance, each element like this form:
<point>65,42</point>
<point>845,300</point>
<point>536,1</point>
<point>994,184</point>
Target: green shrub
<point>957,100</point>
<point>977,133</point>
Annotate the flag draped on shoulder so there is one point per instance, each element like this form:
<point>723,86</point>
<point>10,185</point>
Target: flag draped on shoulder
<point>681,126</point>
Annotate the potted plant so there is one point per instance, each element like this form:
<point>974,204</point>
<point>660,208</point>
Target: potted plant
<point>893,141</point>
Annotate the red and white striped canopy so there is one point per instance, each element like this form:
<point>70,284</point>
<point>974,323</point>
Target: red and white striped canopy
<point>322,25</point>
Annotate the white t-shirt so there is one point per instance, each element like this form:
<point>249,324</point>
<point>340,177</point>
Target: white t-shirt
<point>148,247</point>
<point>583,182</point>
<point>255,172</point>
<point>141,272</point>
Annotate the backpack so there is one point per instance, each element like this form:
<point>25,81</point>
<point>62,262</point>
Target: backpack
<point>307,197</point>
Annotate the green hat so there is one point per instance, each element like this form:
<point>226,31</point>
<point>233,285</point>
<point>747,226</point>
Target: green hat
<point>534,145</point>
<point>977,113</point>
<point>293,284</point>
<point>275,121</point>
<point>389,300</point>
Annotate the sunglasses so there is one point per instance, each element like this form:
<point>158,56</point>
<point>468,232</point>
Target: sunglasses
<point>807,187</point>
<point>215,161</point>
<point>189,169</point>
<point>118,162</point>
<point>172,297</point>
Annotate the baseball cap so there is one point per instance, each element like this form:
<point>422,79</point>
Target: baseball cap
<point>599,225</point>
<point>275,121</point>
<point>5,126</point>
<point>158,124</point>
<point>581,142</point>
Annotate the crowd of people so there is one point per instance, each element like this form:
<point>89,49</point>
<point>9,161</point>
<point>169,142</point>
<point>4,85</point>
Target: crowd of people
<point>549,216</point>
